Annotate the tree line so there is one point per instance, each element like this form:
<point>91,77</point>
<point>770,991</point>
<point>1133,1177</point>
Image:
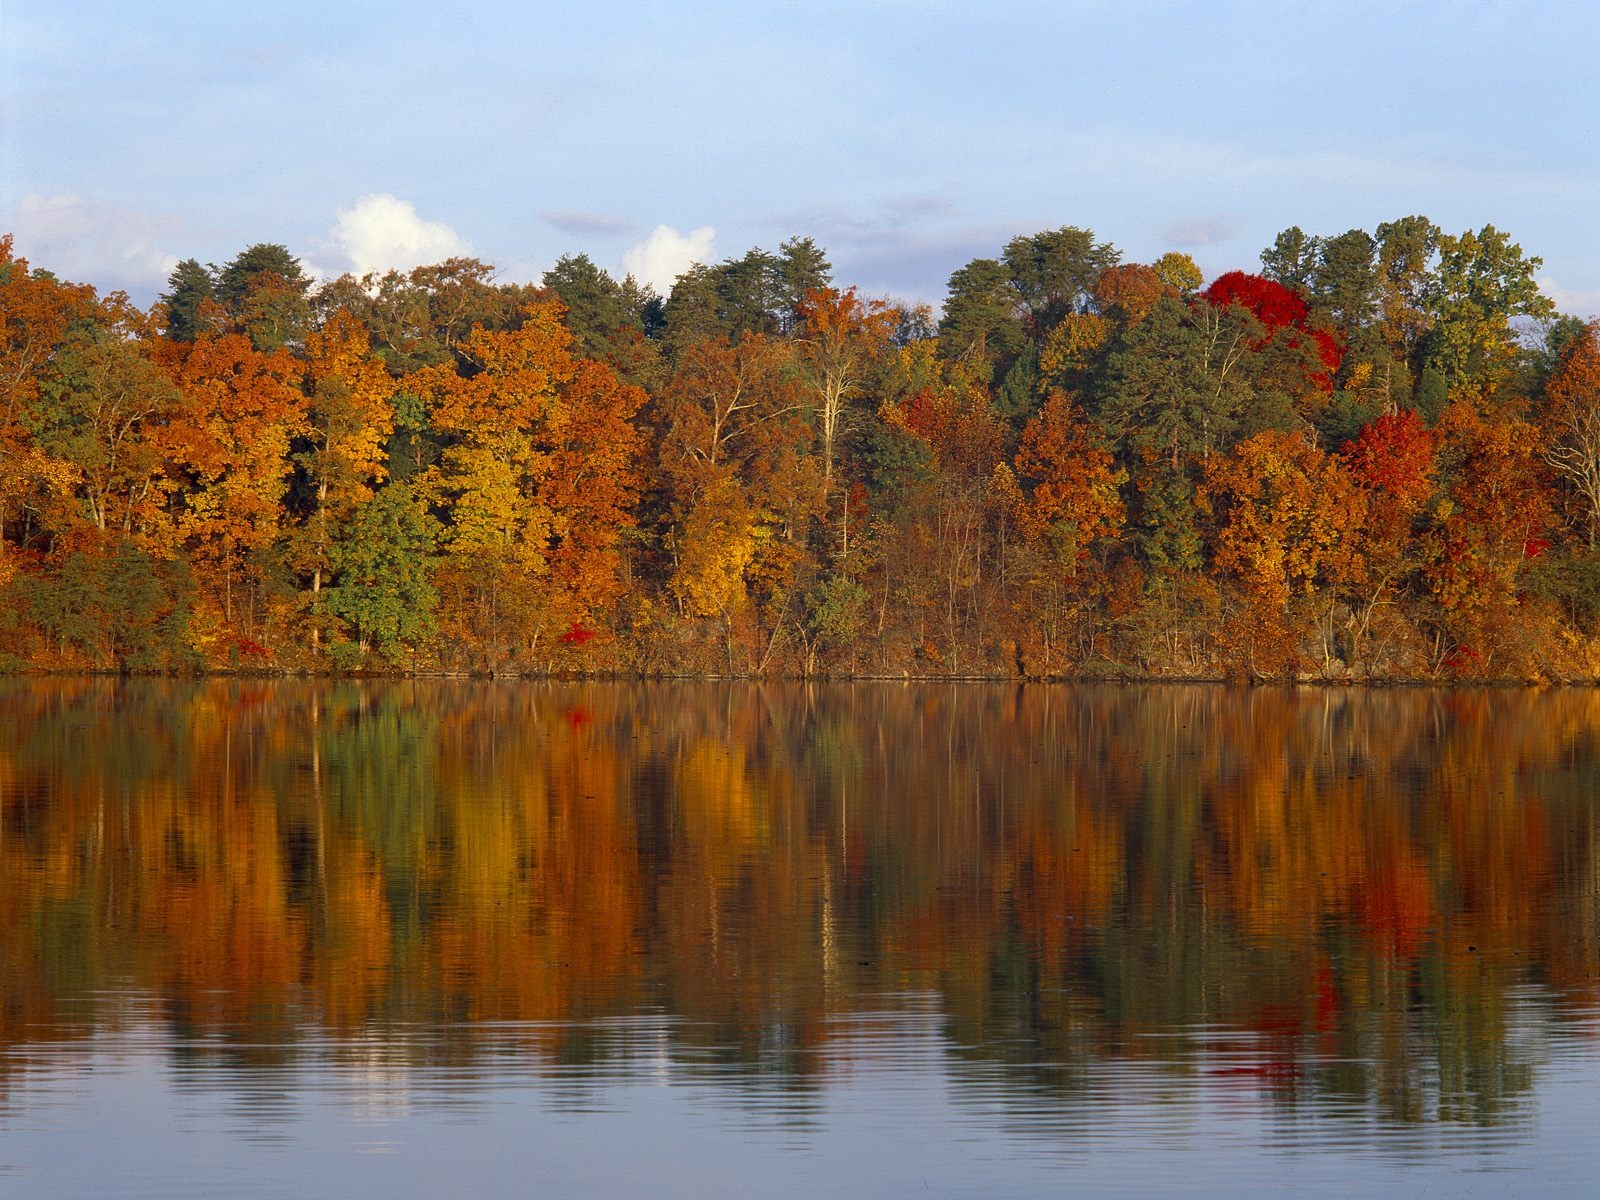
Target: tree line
<point>1376,457</point>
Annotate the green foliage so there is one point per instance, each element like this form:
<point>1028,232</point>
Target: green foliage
<point>603,318</point>
<point>413,446</point>
<point>836,610</point>
<point>803,267</point>
<point>1432,394</point>
<point>1572,581</point>
<point>1018,394</point>
<point>892,460</point>
<point>1163,518</point>
<point>1174,387</point>
<point>382,587</point>
<point>189,288</point>
<point>1292,259</point>
<point>265,291</point>
<point>1053,273</point>
<point>111,608</point>
<point>980,314</point>
<point>758,293</point>
<point>1344,287</point>
<point>1481,284</point>
<point>996,307</point>
<point>1346,415</point>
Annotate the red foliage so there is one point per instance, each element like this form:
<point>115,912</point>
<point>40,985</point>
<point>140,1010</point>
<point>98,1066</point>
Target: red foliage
<point>578,635</point>
<point>253,649</point>
<point>859,503</point>
<point>1394,454</point>
<point>1276,307</point>
<point>1328,349</point>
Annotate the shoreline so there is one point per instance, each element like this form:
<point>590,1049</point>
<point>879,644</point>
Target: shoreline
<point>1129,680</point>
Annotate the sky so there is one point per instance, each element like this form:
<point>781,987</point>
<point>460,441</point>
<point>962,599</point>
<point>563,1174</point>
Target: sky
<point>906,136</point>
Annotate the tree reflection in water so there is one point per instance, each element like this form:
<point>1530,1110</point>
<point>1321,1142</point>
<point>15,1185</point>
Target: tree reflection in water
<point>1380,903</point>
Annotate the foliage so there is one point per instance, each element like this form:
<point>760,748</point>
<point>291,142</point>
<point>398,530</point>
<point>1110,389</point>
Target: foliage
<point>1377,457</point>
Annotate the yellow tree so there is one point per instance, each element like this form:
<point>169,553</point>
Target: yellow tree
<point>740,481</point>
<point>537,480</point>
<point>1289,521</point>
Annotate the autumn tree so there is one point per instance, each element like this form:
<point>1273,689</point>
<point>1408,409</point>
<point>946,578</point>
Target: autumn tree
<point>1392,460</point>
<point>1295,355</point>
<point>1571,418</point>
<point>226,447</point>
<point>1288,524</point>
<point>1064,499</point>
<point>35,315</point>
<point>350,417</point>
<point>1493,520</point>
<point>537,480</point>
<point>942,535</point>
<point>740,479</point>
<point>840,336</point>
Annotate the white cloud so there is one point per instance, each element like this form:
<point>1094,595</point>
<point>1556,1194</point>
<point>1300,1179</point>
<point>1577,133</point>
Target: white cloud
<point>381,232</point>
<point>88,242</point>
<point>666,254</point>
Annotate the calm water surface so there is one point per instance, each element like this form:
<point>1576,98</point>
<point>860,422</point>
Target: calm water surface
<point>444,939</point>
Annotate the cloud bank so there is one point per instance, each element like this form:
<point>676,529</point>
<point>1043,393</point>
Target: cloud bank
<point>102,244</point>
<point>1572,301</point>
<point>666,254</point>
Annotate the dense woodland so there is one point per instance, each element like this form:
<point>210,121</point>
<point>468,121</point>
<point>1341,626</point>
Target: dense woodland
<point>1377,458</point>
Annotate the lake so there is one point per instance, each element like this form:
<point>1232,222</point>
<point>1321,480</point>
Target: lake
<point>430,938</point>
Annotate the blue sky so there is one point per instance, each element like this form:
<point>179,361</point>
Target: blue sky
<point>907,138</point>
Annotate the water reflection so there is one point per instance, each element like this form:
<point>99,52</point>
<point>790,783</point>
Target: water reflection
<point>1084,917</point>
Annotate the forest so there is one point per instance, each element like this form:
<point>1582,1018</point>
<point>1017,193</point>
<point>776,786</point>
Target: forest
<point>1376,457</point>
